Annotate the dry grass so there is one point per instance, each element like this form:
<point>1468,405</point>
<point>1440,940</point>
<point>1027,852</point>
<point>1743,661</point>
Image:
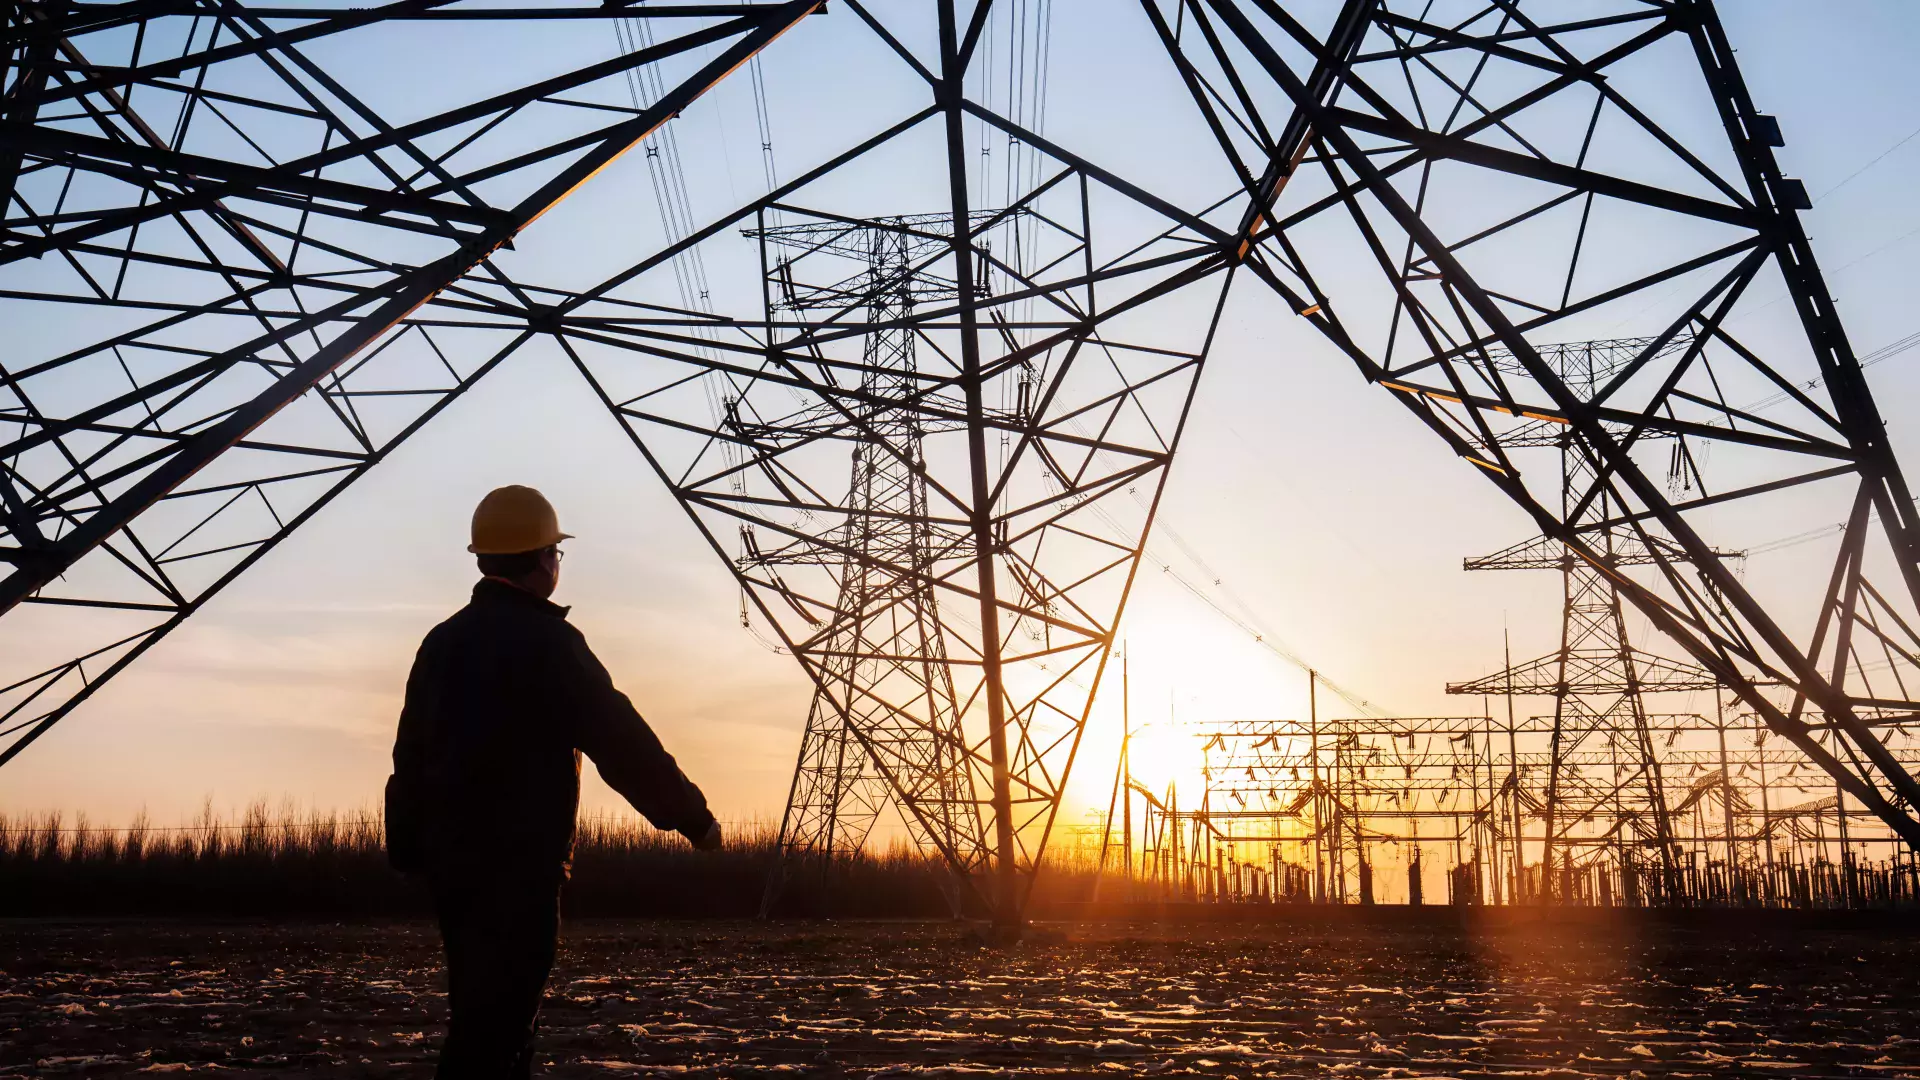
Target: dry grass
<point>288,863</point>
<point>260,863</point>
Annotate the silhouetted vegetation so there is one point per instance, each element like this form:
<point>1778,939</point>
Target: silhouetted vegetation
<point>335,865</point>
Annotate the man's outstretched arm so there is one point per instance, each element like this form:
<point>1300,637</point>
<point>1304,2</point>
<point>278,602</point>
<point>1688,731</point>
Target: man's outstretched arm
<point>627,752</point>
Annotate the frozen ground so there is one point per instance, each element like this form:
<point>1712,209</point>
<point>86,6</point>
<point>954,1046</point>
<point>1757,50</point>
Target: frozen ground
<point>911,1000</point>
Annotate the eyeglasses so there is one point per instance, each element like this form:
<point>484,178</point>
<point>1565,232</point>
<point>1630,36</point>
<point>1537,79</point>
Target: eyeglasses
<point>558,555</point>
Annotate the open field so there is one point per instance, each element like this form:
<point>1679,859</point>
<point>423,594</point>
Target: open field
<point>113,998</point>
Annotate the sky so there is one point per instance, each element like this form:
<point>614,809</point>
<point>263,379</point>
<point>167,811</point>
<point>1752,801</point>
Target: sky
<point>1303,500</point>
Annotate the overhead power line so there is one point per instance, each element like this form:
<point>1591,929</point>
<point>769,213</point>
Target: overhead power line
<point>1245,619</point>
<point>1883,155</point>
<point>1267,641</point>
<point>1884,352</point>
<point>1850,177</point>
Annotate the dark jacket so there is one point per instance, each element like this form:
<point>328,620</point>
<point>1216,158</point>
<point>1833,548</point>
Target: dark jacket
<point>503,698</point>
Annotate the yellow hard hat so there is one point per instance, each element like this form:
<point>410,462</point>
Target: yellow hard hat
<point>514,519</point>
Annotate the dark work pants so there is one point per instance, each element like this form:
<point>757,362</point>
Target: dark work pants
<point>499,931</point>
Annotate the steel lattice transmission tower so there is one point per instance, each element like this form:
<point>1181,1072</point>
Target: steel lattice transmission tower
<point>1039,417</point>
<point>1047,398</point>
<point>1087,292</point>
<point>886,644</point>
<point>245,265</point>
<point>1598,678</point>
<point>1445,190</point>
<point>248,265</point>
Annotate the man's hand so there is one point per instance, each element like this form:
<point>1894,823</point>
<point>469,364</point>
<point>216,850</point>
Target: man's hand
<point>711,841</point>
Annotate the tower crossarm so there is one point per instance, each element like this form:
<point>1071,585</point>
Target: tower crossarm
<point>1546,553</point>
<point>1592,674</point>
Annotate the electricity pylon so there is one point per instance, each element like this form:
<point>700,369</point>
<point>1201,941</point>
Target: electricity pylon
<point>242,272</point>
<point>1090,293</point>
<point>1598,678</point>
<point>246,270</point>
<point>1038,416</point>
<point>886,644</point>
<point>1511,176</point>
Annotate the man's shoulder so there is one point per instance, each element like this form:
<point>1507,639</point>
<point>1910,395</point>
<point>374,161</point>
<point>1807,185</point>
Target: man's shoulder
<point>454,625</point>
<point>519,621</point>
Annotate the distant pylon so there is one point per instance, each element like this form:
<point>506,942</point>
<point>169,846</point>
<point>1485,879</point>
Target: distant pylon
<point>1597,678</point>
<point>886,626</point>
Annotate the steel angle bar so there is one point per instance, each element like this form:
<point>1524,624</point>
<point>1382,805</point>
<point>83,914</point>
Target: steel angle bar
<point>144,467</point>
<point>1459,313</point>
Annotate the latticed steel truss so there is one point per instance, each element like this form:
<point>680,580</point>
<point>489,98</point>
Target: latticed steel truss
<point>238,277</point>
<point>1048,391</point>
<point>886,652</point>
<point>1516,175</point>
<point>244,268</point>
<point>1019,456</point>
<point>1599,679</point>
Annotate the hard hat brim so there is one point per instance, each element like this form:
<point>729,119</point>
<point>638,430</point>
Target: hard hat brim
<point>475,550</point>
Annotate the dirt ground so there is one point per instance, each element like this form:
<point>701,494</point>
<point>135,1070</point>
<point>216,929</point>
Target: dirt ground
<point>920,999</point>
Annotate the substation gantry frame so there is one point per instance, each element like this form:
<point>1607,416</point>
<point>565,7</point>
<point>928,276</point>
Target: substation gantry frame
<point>245,274</point>
<point>1306,810</point>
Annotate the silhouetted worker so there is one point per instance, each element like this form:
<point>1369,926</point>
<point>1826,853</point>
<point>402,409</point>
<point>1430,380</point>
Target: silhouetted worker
<point>503,698</point>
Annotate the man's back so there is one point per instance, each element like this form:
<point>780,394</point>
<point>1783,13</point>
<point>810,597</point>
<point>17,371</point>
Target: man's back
<point>503,697</point>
